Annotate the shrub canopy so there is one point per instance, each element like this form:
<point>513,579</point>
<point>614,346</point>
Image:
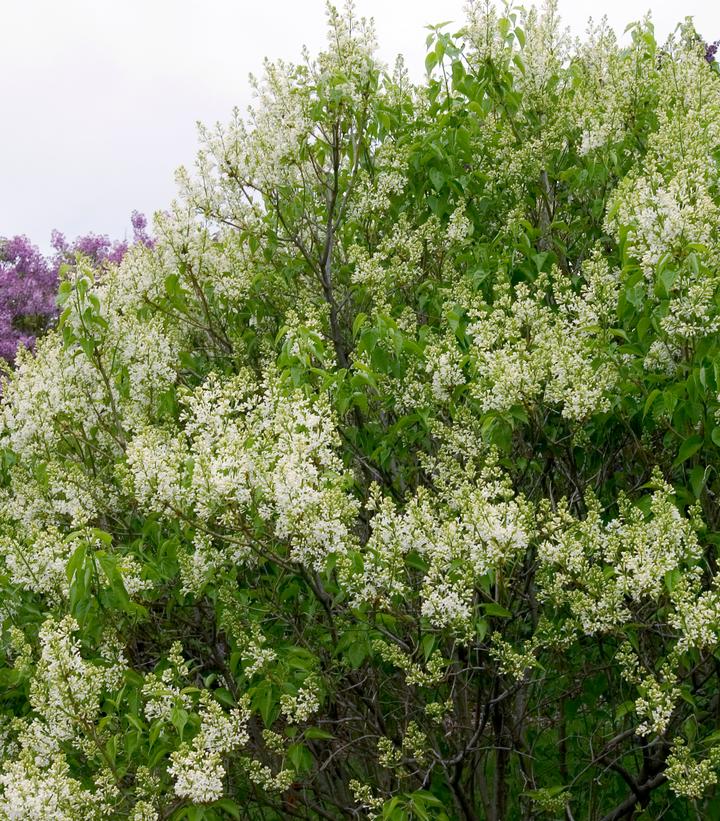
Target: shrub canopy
<point>385,484</point>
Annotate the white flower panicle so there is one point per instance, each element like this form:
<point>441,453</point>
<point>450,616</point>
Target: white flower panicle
<point>274,456</point>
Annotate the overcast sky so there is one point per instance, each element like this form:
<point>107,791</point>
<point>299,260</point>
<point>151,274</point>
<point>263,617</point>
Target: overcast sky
<point>99,98</point>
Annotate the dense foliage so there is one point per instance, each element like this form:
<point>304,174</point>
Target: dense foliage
<point>385,484</point>
<point>29,280</point>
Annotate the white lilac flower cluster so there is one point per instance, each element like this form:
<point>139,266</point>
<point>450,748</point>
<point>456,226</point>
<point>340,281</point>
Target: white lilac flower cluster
<point>427,675</point>
<point>197,768</point>
<point>298,708</point>
<point>263,776</point>
<point>47,793</point>
<point>162,691</point>
<point>65,689</point>
<point>366,798</point>
<point>525,353</point>
<point>667,210</point>
<point>274,454</point>
<point>689,776</point>
<point>597,567</point>
<point>73,400</point>
<point>465,532</point>
<point>65,693</point>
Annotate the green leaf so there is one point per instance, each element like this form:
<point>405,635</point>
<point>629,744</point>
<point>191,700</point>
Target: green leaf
<point>688,448</point>
<point>230,807</point>
<point>358,324</point>
<point>76,561</point>
<point>224,696</point>
<point>496,610</point>
<point>481,628</point>
<point>697,480</point>
<point>135,721</point>
<point>667,278</point>
<point>300,757</point>
<point>672,577</point>
<point>652,396</point>
<point>437,178</point>
<point>179,718</point>
<point>428,645</point>
<point>624,709</point>
<point>263,700</point>
<point>317,733</point>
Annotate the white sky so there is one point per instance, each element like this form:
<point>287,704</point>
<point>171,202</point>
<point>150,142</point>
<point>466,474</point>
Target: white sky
<point>99,98</point>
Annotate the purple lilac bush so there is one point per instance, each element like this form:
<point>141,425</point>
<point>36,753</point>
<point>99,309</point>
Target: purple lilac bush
<point>29,279</point>
<point>99,247</point>
<point>28,283</point>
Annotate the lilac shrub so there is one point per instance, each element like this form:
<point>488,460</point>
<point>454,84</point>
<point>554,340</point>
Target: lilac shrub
<point>387,486</point>
<point>99,248</point>
<point>28,283</point>
<point>29,279</point>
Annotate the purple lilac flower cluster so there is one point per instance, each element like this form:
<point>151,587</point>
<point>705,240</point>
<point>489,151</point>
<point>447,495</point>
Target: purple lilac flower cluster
<point>29,279</point>
<point>98,247</point>
<point>711,51</point>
